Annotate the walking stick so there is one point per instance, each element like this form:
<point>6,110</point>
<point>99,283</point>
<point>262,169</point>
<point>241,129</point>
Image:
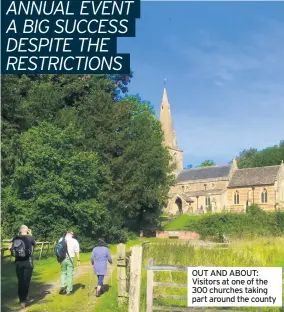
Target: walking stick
<point>111,277</point>
<point>90,281</point>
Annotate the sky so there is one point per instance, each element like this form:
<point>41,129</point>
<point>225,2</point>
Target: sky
<point>224,69</point>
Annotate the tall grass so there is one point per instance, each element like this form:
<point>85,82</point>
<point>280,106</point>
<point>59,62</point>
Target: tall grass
<point>267,251</point>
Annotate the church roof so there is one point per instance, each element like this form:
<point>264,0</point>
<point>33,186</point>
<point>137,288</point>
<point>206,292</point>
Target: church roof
<point>254,176</point>
<point>203,173</point>
<point>184,196</point>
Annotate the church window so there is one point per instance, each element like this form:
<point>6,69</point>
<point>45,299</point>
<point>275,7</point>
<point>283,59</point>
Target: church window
<point>236,198</point>
<point>264,196</point>
<point>207,201</point>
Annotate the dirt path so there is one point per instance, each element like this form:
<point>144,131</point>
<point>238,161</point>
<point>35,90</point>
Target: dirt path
<point>47,298</point>
<point>78,271</point>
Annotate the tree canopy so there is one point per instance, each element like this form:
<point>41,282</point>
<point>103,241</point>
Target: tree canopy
<point>77,153</point>
<point>270,156</point>
<point>207,163</point>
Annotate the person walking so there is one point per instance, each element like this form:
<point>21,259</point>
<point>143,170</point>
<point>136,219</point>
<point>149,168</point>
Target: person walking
<point>100,257</point>
<point>21,248</point>
<point>67,264</point>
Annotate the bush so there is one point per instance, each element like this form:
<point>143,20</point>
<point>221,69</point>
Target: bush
<point>112,236</point>
<point>255,222</point>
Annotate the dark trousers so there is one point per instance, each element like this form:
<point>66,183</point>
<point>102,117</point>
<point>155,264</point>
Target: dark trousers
<point>100,280</point>
<point>24,270</point>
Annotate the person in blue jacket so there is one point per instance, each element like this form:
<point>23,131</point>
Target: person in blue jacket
<point>100,257</point>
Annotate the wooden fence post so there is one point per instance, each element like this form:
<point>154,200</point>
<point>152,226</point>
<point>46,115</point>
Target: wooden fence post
<point>2,253</point>
<point>47,248</point>
<point>40,251</point>
<point>150,286</point>
<point>135,279</point>
<point>121,274</point>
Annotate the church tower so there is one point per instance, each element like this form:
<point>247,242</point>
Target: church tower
<point>169,133</point>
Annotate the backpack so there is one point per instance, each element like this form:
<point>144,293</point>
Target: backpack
<point>19,248</point>
<point>61,250</point>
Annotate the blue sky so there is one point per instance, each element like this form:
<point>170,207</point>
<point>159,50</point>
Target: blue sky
<point>224,65</point>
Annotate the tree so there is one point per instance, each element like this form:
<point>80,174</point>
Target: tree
<point>57,186</point>
<point>207,163</point>
<point>13,91</point>
<point>82,118</point>
<point>269,156</point>
<point>128,139</point>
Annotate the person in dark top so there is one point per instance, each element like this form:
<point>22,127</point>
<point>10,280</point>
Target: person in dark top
<point>22,247</point>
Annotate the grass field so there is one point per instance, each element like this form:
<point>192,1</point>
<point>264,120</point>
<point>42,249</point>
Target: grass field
<point>46,272</point>
<point>257,252</point>
<point>180,222</point>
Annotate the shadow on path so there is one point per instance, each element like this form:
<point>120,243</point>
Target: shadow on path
<point>9,285</point>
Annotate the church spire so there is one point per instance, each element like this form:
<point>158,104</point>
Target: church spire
<point>235,163</point>
<point>166,121</point>
<point>170,140</point>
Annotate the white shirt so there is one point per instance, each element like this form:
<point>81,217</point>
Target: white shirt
<point>72,246</point>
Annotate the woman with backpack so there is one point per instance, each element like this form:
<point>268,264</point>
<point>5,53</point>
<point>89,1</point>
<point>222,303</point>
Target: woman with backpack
<point>100,257</point>
<point>21,248</point>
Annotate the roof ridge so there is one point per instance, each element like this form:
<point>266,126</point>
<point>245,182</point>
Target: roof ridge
<point>198,168</point>
<point>258,167</point>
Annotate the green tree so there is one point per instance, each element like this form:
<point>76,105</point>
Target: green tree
<point>128,139</point>
<point>207,163</point>
<point>83,118</point>
<point>57,186</point>
<point>14,88</point>
<point>269,156</point>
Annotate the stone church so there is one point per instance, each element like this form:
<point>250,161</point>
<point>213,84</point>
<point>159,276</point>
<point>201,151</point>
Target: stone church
<point>218,188</point>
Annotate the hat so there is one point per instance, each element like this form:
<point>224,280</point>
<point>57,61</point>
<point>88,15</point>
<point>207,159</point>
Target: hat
<point>70,232</point>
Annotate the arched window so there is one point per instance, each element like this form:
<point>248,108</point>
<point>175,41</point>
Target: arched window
<point>207,201</point>
<point>236,198</point>
<point>264,196</point>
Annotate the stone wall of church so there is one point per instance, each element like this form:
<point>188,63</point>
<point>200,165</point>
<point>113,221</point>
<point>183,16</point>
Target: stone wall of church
<point>280,188</point>
<point>177,158</point>
<point>247,194</point>
<point>192,186</point>
<point>173,207</point>
<point>217,203</point>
